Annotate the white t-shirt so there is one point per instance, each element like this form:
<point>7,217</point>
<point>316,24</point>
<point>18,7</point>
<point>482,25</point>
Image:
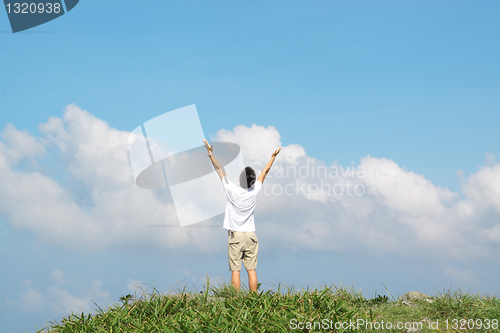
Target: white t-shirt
<point>240,205</point>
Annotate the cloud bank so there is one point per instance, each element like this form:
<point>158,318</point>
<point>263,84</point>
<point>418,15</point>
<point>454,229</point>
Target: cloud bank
<point>73,187</point>
<point>394,210</point>
<point>62,296</point>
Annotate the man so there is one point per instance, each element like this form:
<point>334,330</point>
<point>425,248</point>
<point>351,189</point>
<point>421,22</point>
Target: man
<point>239,218</point>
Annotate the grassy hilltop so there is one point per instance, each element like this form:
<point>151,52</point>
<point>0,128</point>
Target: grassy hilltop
<point>330,309</point>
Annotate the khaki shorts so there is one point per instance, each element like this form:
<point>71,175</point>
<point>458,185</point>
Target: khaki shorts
<point>242,246</point>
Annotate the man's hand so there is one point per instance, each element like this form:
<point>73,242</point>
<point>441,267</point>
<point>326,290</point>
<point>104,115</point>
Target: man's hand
<point>216,164</point>
<point>268,166</point>
<point>210,148</point>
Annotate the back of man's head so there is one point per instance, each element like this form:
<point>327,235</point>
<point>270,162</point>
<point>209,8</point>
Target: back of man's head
<point>247,177</point>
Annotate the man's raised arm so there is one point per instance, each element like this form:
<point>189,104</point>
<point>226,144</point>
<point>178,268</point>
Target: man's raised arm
<point>268,166</point>
<point>210,150</point>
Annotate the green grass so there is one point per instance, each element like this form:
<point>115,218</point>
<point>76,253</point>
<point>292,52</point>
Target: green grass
<point>223,309</point>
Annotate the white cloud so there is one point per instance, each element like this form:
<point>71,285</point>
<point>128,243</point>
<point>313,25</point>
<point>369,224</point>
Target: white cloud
<point>135,287</point>
<point>490,160</point>
<point>58,275</point>
<point>19,145</point>
<point>399,212</point>
<point>258,143</point>
<point>94,204</point>
<point>482,189</point>
<point>30,301</point>
<point>462,275</point>
<point>58,298</point>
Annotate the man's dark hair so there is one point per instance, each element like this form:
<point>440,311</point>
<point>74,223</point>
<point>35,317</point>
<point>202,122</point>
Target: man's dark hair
<point>247,177</point>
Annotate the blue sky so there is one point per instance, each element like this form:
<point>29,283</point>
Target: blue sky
<point>415,83</point>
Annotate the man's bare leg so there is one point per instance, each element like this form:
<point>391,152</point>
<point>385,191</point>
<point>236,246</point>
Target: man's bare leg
<point>252,279</point>
<point>235,279</point>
